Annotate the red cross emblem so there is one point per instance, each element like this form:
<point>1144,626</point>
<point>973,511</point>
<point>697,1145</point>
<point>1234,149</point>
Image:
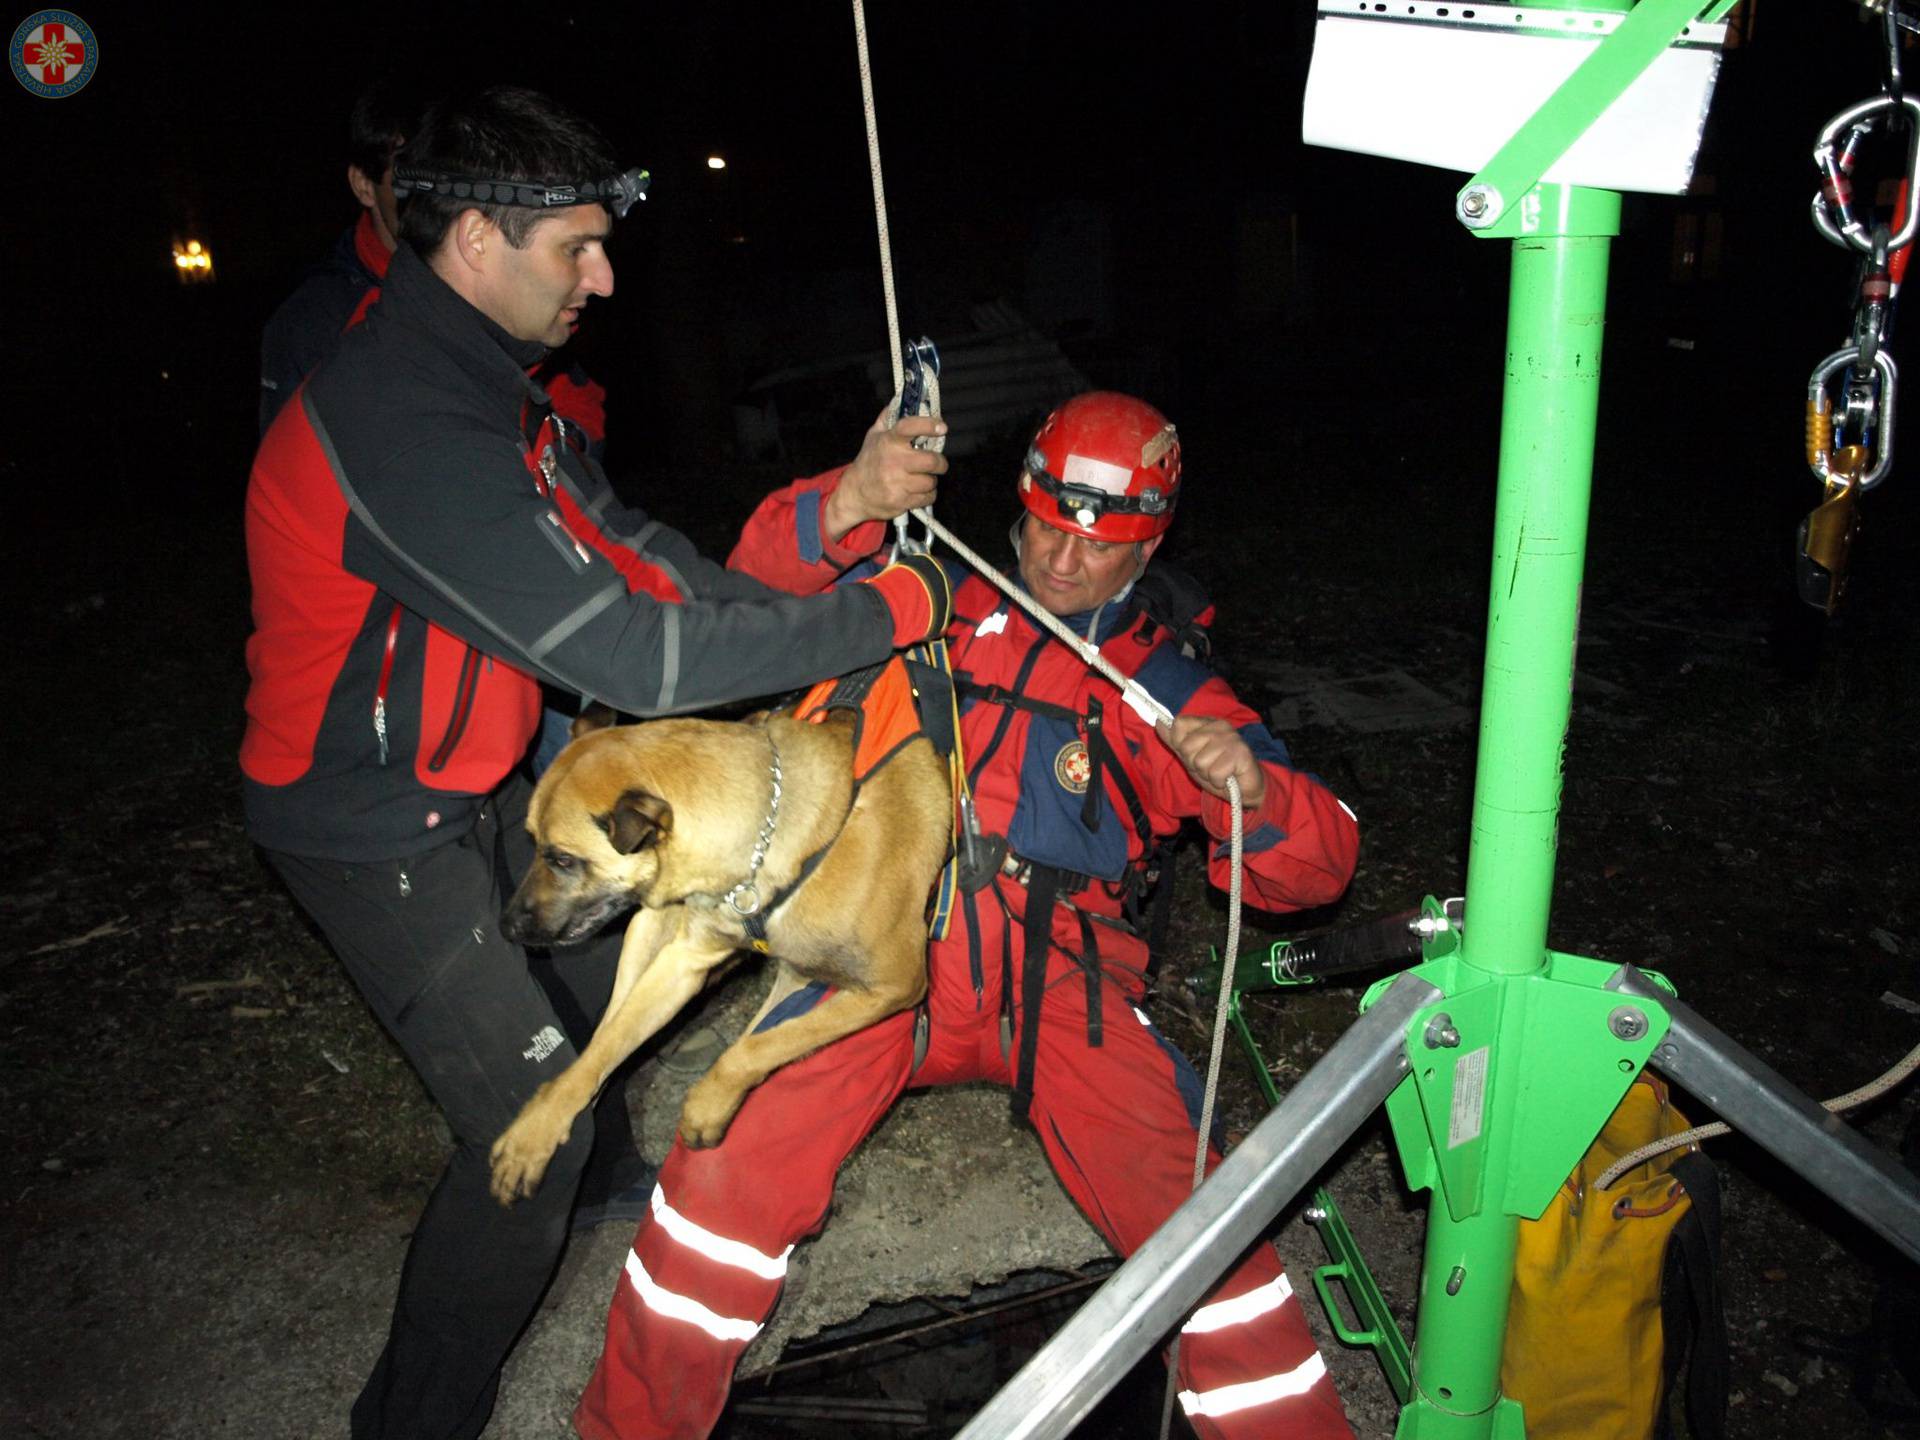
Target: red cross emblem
<point>52,52</point>
<point>1072,767</point>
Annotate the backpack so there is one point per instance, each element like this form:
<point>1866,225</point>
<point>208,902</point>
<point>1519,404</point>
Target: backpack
<point>1615,1290</point>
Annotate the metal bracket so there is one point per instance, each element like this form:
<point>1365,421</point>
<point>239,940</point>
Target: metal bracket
<point>1490,204</point>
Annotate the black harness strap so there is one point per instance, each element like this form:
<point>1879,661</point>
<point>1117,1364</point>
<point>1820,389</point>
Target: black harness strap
<point>1046,887</point>
<point>1157,875</point>
<point>965,686</point>
<point>1100,753</point>
<point>1042,890</point>
<point>1090,964</point>
<point>1006,975</point>
<point>1005,695</point>
<point>1047,884</point>
<point>756,924</point>
<point>1097,757</point>
<point>933,699</point>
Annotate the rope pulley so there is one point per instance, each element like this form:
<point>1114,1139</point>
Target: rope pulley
<point>1849,437</point>
<point>916,393</point>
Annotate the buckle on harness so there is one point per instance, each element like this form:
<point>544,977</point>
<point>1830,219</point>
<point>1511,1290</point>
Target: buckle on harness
<point>980,856</point>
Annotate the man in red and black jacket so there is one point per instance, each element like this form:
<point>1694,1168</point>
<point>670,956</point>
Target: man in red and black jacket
<point>429,542</point>
<point>304,329</point>
<point>1038,983</point>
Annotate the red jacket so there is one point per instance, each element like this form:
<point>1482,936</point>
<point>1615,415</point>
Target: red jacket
<point>1029,778</point>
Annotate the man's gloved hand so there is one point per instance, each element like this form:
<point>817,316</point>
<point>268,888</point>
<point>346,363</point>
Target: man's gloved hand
<point>920,596</point>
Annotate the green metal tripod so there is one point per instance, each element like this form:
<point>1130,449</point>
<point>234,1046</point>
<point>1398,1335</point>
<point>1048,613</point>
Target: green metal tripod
<point>1497,1058</point>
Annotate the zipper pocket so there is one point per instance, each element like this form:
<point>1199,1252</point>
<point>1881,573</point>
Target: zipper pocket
<point>386,676</point>
<point>462,711</point>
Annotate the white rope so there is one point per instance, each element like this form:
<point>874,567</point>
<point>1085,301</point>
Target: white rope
<point>1226,983</point>
<point>1901,1069</point>
<point>1221,1006</point>
<point>879,197</point>
<point>1137,696</point>
<point>1148,708</point>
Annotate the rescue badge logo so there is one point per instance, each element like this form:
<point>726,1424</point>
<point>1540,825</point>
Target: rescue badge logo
<point>53,54</point>
<point>1072,768</point>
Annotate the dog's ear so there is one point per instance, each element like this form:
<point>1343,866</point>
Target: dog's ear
<point>593,716</point>
<point>639,818</point>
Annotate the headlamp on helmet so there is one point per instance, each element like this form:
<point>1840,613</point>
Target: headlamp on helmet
<point>617,192</point>
<point>1105,466</point>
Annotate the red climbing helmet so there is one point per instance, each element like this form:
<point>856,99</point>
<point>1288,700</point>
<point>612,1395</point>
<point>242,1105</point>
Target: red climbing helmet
<point>1105,466</point>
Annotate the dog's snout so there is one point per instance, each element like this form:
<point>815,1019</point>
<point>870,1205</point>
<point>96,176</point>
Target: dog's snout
<point>518,922</point>
<point>513,923</point>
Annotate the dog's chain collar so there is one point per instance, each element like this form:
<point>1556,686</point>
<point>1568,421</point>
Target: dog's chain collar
<point>744,897</point>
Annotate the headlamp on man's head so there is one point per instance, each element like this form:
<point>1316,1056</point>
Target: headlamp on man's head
<point>1086,503</point>
<point>617,192</point>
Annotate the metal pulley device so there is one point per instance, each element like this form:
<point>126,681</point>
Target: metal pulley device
<point>1849,439</point>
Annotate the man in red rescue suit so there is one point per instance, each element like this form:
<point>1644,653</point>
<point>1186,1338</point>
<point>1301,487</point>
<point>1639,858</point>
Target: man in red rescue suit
<point>1038,981</point>
<point>428,542</point>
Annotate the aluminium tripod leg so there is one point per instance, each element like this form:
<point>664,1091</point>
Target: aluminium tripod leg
<point>1149,1295</point>
<point>1756,1100</point>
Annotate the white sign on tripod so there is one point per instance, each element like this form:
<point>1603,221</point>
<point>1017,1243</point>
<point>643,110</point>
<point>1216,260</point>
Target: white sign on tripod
<point>1449,84</point>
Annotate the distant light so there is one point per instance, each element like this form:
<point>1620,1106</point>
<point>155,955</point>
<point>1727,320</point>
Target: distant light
<point>192,262</point>
<point>716,162</point>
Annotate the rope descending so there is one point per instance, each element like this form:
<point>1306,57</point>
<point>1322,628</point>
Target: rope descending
<point>1137,696</point>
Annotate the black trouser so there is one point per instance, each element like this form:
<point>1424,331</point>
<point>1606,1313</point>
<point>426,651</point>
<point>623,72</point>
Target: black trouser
<point>421,939</point>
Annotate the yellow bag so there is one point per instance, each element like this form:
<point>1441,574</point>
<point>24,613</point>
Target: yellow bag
<point>1587,1352</point>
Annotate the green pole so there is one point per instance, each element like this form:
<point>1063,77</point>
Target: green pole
<point>1555,320</point>
<point>1515,1069</point>
<point>1556,317</point>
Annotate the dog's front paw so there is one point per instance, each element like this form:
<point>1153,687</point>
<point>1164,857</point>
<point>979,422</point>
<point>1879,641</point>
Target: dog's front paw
<point>522,1153</point>
<point>710,1107</point>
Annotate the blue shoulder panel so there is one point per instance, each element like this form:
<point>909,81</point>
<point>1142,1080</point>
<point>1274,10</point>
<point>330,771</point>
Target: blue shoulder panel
<point>1265,744</point>
<point>1171,677</point>
<point>806,524</point>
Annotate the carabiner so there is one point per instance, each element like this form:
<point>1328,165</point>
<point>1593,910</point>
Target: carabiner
<point>1820,417</point>
<point>1856,121</point>
<point>919,395</point>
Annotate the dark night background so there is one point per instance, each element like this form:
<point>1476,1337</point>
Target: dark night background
<point>1129,178</point>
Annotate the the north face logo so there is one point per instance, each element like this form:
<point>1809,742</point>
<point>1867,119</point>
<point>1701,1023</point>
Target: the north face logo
<point>545,1042</point>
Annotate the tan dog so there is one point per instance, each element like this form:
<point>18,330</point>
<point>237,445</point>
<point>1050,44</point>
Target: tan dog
<point>669,816</point>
